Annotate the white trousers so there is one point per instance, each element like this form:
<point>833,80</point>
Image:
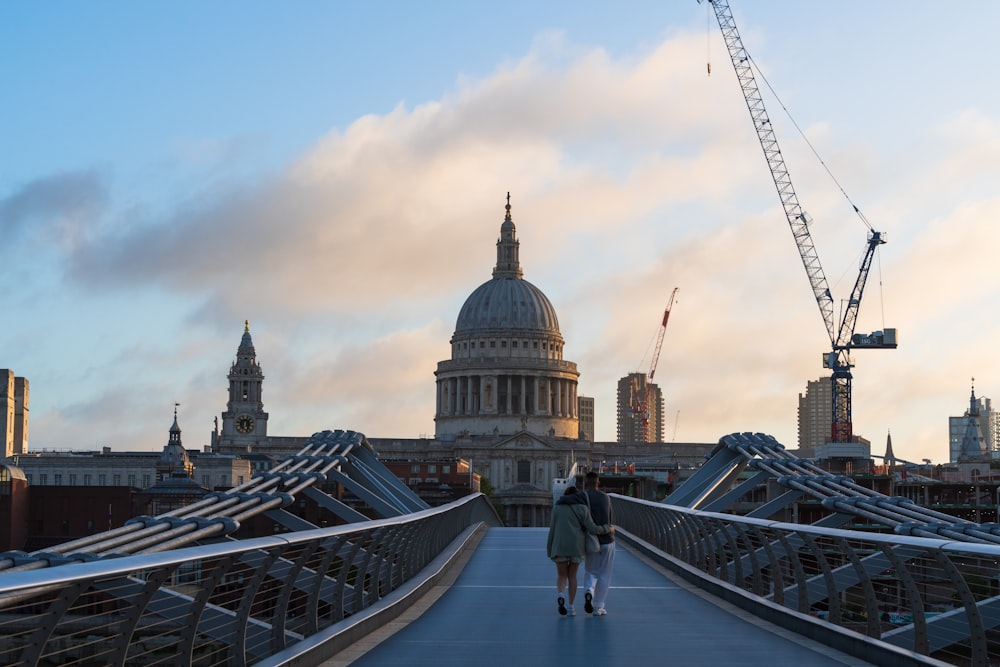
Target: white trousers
<point>597,573</point>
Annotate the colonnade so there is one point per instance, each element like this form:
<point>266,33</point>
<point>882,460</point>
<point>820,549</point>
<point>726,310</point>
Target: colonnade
<point>470,395</point>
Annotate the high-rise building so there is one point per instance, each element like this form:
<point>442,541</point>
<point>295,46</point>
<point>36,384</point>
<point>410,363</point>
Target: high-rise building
<point>815,416</point>
<point>640,409</point>
<point>585,408</point>
<point>964,440</point>
<point>14,394</point>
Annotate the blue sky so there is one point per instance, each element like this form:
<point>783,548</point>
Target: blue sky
<point>336,174</point>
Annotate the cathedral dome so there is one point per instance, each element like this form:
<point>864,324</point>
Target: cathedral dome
<point>507,304</point>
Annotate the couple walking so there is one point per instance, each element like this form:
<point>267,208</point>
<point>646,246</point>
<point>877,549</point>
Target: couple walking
<point>574,515</point>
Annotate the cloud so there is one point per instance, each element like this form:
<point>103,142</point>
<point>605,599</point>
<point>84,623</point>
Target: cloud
<point>371,215</point>
<point>57,209</point>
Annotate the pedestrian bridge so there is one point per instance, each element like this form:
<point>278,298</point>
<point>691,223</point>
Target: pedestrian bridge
<point>693,584</point>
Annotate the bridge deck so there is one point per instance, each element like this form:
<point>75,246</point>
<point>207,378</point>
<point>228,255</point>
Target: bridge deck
<point>501,610</point>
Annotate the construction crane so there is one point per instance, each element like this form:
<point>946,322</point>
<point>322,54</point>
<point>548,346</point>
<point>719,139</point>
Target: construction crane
<point>842,336</point>
<point>641,396</point>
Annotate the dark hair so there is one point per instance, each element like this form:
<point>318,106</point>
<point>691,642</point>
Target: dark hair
<point>591,474</point>
<point>570,490</point>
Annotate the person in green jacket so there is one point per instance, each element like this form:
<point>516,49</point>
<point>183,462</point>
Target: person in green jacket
<point>567,545</point>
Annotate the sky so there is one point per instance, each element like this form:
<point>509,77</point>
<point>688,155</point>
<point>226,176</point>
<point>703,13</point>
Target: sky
<point>336,174</point>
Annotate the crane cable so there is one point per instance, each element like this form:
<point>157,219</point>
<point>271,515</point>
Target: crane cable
<point>808,143</point>
<point>708,38</point>
<point>881,295</point>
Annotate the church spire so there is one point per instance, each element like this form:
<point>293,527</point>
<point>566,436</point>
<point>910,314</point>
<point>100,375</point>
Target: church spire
<point>508,265</point>
<point>889,456</point>
<point>246,343</point>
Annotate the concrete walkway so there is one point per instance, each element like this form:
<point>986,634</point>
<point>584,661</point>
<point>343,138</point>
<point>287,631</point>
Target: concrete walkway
<point>501,610</point>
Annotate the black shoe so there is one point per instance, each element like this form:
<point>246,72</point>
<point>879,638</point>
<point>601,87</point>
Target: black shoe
<point>588,603</point>
<point>562,605</point>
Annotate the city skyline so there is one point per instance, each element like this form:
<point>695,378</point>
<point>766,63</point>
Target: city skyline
<point>337,176</point>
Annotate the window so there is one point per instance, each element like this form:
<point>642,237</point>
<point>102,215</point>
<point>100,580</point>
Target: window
<point>415,468</point>
<point>28,477</point>
<point>58,479</point>
<point>241,479</point>
<point>513,344</point>
<point>87,480</point>
<point>204,481</point>
<point>431,468</point>
<point>503,343</point>
<point>117,480</point>
<point>72,479</point>
<point>445,470</point>
<point>524,472</point>
<point>493,343</point>
<point>145,481</point>
<point>482,344</point>
<point>102,479</point>
<point>131,480</point>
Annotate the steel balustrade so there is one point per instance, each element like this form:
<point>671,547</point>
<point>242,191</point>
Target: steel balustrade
<point>230,603</point>
<point>934,597</point>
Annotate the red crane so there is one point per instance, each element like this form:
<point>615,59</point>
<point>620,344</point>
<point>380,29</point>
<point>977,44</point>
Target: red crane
<point>641,396</point>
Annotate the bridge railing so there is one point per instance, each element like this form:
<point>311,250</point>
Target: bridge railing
<point>232,602</point>
<point>934,598</point>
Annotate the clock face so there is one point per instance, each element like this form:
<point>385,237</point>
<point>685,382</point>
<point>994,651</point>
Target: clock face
<point>244,423</point>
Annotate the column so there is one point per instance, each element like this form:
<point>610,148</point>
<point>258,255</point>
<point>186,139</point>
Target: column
<point>523,402</point>
<point>559,398</point>
<point>469,409</point>
<point>509,386</point>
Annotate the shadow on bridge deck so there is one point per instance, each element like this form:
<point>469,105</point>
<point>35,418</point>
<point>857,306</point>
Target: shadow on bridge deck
<point>501,610</point>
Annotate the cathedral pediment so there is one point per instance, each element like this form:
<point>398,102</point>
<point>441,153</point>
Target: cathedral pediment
<point>523,441</point>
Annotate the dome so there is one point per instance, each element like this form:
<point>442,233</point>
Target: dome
<point>507,303</point>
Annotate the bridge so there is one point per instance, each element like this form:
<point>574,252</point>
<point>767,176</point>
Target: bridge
<point>694,582</point>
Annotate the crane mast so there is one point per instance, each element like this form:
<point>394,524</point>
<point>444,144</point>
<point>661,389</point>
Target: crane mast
<point>641,396</point>
<point>842,338</point>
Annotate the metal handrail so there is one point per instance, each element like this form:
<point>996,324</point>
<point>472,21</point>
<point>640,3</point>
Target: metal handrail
<point>936,598</point>
<point>234,602</point>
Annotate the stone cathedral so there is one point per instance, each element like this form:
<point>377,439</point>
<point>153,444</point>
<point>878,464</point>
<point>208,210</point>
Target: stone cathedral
<point>506,400</point>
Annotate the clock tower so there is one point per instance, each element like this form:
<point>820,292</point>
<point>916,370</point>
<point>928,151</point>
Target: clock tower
<point>244,423</point>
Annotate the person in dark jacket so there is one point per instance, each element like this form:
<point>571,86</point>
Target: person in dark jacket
<point>598,566</point>
<point>566,544</point>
